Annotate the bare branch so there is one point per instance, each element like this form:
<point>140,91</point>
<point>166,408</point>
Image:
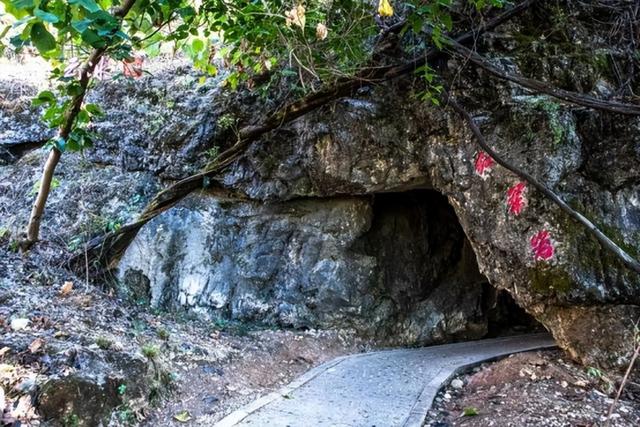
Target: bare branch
<point>542,87</point>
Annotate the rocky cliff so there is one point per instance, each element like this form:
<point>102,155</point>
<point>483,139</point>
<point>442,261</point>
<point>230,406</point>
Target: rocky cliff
<point>380,213</point>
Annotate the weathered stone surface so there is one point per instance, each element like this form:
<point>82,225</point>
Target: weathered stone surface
<point>382,141</point>
<point>396,267</point>
<point>89,395</point>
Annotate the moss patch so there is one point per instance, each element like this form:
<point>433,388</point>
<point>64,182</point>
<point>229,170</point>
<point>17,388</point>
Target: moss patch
<point>550,280</point>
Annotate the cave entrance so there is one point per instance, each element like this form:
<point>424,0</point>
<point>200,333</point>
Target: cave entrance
<point>428,274</point>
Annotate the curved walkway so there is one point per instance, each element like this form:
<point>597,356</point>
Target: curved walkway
<point>381,389</point>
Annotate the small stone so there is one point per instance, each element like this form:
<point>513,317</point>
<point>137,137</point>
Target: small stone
<point>457,384</point>
<point>19,324</point>
<point>210,399</point>
<point>27,385</point>
<point>447,396</point>
<point>564,384</point>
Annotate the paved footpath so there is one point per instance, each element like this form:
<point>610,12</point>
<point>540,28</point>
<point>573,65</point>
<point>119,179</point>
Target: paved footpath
<point>381,389</point>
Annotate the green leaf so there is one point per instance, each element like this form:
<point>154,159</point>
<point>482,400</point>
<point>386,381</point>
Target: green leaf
<point>46,16</point>
<point>197,45</point>
<point>42,39</point>
<point>94,110</point>
<point>470,411</point>
<point>44,97</point>
<point>89,5</point>
<point>58,143</point>
<point>182,416</point>
<point>91,38</point>
<point>81,25</point>
<point>17,42</point>
<point>74,89</point>
<point>22,4</point>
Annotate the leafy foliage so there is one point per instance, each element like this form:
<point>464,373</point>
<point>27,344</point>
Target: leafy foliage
<point>311,42</point>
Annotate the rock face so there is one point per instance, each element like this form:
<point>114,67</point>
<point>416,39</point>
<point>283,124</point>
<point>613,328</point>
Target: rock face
<point>393,266</point>
<point>373,212</point>
<point>89,395</point>
<point>300,253</point>
<point>381,143</point>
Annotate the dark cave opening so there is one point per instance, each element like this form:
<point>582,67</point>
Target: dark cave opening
<point>426,265</point>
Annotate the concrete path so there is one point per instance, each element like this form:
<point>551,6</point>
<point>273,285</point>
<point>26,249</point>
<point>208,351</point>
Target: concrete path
<point>381,389</point>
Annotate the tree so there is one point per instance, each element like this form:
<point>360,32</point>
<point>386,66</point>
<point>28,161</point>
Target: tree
<point>322,50</point>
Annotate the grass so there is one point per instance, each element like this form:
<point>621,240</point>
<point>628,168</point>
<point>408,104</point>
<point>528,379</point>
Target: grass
<point>104,343</point>
<point>150,351</point>
<point>163,334</point>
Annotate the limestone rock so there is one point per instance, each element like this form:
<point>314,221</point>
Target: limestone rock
<point>394,267</point>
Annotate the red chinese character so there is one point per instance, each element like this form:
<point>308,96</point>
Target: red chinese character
<point>542,246</point>
<point>515,198</point>
<point>484,164</point>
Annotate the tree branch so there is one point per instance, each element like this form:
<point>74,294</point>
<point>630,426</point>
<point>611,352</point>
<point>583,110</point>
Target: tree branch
<point>33,228</point>
<point>542,87</point>
<point>609,244</point>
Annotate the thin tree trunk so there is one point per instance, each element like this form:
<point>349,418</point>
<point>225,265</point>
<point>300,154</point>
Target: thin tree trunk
<point>33,228</point>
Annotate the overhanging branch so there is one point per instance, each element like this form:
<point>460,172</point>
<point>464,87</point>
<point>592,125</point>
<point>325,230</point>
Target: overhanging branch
<point>542,87</point>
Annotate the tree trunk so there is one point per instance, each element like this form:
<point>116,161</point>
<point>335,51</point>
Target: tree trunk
<point>33,229</point>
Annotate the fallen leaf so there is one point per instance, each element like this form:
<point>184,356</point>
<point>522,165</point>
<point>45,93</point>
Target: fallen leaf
<point>132,67</point>
<point>66,289</point>
<point>36,345</point>
<point>42,322</point>
<point>19,324</point>
<point>24,408</point>
<point>182,416</point>
<point>4,350</point>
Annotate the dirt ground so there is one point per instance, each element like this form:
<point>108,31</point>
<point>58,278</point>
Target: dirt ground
<point>264,362</point>
<point>214,366</point>
<point>533,389</point>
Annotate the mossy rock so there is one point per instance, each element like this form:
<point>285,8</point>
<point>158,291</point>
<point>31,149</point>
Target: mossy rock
<point>550,280</point>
